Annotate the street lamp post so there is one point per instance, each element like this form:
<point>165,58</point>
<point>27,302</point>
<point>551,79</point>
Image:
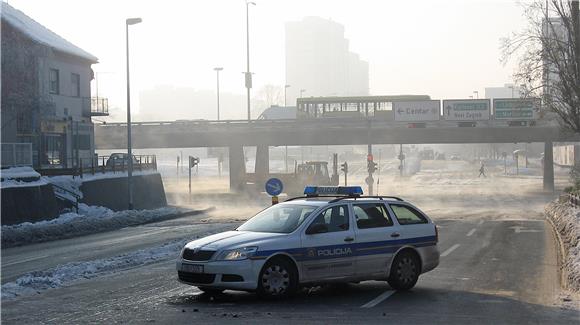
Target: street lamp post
<point>129,21</point>
<point>248,74</point>
<point>512,88</point>
<point>217,70</point>
<point>285,87</point>
<point>302,91</point>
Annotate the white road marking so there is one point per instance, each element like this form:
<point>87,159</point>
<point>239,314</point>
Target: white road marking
<point>25,260</point>
<point>480,222</point>
<point>448,251</point>
<point>471,232</point>
<point>519,229</point>
<point>378,299</point>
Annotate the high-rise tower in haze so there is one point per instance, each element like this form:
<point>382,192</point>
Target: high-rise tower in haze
<point>318,61</point>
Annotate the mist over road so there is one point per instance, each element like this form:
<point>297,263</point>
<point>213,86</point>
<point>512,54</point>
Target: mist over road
<point>498,265</point>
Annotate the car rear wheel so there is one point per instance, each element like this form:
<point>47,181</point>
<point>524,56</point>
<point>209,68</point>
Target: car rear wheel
<point>278,279</point>
<point>404,271</point>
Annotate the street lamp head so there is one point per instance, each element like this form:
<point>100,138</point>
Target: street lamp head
<point>218,69</point>
<point>133,21</point>
<point>250,3</point>
<point>286,86</point>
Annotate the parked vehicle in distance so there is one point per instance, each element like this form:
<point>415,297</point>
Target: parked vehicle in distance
<point>120,159</point>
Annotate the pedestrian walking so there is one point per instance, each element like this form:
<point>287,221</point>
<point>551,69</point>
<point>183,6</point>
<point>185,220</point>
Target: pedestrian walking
<point>482,170</point>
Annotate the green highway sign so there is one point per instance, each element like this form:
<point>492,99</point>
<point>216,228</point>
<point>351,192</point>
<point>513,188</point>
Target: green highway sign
<point>466,109</point>
<point>515,108</point>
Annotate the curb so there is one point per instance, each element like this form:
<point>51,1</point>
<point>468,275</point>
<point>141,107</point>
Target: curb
<point>561,255</point>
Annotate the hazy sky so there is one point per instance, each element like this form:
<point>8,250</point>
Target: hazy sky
<point>445,49</point>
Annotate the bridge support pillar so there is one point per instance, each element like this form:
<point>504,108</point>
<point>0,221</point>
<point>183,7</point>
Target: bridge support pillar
<point>262,163</point>
<point>237,168</point>
<point>548,167</point>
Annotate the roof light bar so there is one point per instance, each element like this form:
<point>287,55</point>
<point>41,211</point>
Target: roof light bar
<point>333,190</point>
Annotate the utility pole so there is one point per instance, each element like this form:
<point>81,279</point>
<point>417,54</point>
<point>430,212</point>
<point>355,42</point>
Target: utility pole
<point>217,70</point>
<point>285,87</point>
<point>129,21</point>
<point>401,159</point>
<point>248,73</point>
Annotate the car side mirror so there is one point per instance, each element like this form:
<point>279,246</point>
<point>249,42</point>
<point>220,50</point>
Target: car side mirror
<point>317,228</point>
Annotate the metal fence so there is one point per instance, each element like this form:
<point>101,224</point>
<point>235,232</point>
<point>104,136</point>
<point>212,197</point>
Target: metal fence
<point>16,154</point>
<point>103,164</point>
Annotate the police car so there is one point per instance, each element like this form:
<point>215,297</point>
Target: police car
<point>332,234</point>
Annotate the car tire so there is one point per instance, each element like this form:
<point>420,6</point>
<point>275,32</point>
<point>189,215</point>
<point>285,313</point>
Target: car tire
<point>405,271</point>
<point>278,279</point>
<point>211,291</point>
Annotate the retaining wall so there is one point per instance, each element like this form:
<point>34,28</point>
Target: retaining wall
<point>148,192</point>
<point>29,203</point>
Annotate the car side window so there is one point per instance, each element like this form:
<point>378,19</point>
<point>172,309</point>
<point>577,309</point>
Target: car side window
<point>407,215</point>
<point>335,218</point>
<point>371,215</point>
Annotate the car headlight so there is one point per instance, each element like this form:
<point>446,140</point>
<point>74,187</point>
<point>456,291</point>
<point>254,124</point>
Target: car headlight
<point>237,254</point>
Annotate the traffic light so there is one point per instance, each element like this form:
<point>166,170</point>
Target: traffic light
<point>193,161</point>
<point>371,166</point>
<point>344,167</point>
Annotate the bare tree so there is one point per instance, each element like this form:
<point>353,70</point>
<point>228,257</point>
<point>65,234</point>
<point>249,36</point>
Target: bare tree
<point>548,51</point>
<point>267,96</point>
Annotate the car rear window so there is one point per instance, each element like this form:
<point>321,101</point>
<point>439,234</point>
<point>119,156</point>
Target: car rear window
<point>407,215</point>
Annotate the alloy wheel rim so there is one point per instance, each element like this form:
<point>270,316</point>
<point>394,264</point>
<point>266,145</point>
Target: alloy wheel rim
<point>406,270</point>
<point>276,280</point>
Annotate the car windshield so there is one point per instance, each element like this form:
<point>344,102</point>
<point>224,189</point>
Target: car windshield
<point>283,218</point>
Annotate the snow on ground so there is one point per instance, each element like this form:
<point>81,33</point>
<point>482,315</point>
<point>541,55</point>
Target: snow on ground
<point>19,172</point>
<point>34,282</point>
<point>13,177</point>
<point>567,221</point>
<point>89,219</point>
<point>10,183</point>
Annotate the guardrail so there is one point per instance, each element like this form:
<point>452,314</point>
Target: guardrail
<point>363,121</point>
<point>58,190</point>
<point>101,164</point>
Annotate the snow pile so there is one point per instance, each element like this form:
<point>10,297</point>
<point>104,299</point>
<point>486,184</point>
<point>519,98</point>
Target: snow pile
<point>89,219</point>
<point>566,219</point>
<point>19,172</point>
<point>36,281</point>
<point>20,177</point>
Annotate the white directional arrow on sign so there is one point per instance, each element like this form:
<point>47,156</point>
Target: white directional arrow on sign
<point>275,187</point>
<point>520,229</point>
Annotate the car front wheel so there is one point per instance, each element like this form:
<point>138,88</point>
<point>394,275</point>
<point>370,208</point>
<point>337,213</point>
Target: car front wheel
<point>404,271</point>
<point>278,279</point>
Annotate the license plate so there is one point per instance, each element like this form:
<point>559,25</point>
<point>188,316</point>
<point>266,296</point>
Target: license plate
<point>192,268</point>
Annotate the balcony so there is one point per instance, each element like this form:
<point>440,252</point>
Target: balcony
<point>99,106</point>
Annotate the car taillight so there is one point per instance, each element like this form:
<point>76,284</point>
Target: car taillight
<point>436,234</point>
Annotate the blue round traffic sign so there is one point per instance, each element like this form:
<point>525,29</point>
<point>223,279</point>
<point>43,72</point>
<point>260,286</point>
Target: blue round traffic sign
<point>274,186</point>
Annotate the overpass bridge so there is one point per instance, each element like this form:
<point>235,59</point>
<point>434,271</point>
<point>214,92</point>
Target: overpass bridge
<point>235,134</point>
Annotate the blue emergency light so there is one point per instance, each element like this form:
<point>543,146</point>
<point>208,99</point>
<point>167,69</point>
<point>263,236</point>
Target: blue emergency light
<point>333,190</point>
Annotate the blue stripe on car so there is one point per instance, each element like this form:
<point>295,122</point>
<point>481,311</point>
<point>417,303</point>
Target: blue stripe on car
<point>355,249</point>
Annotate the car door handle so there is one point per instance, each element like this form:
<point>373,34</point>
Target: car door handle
<point>348,239</point>
<point>395,234</point>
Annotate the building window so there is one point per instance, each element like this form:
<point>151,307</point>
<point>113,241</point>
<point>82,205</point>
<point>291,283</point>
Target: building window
<point>75,79</point>
<point>24,122</point>
<point>54,82</point>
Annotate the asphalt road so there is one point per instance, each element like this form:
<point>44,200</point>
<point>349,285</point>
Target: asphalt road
<point>493,270</point>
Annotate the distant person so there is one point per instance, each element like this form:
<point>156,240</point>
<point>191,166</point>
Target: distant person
<point>482,170</point>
